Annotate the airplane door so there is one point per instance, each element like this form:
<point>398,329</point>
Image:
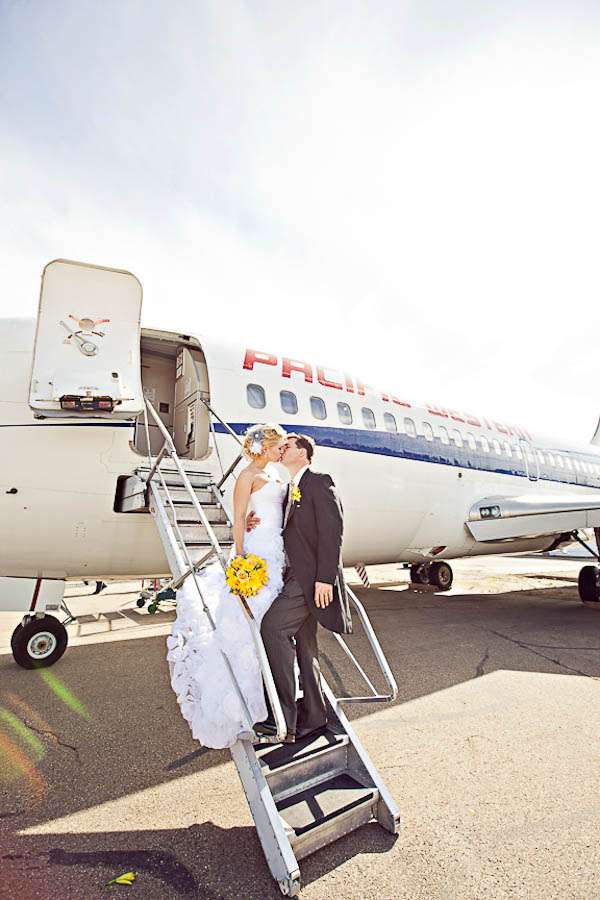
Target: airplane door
<point>86,358</point>
<point>191,422</point>
<point>532,466</point>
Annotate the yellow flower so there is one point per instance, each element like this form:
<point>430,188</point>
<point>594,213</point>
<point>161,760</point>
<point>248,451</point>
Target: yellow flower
<point>296,493</point>
<point>246,575</point>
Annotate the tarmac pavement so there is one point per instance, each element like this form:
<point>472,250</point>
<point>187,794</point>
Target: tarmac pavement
<point>492,752</point>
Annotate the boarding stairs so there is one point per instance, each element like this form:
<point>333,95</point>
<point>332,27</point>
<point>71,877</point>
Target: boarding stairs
<point>302,796</point>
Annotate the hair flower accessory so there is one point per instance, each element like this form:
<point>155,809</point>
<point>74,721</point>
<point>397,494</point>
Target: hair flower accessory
<point>257,441</point>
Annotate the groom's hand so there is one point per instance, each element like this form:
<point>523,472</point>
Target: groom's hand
<point>252,520</point>
<point>323,594</point>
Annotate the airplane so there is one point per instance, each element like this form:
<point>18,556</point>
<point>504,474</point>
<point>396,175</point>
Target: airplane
<point>86,394</point>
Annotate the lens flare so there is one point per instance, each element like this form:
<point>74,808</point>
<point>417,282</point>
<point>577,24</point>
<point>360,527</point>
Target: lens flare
<point>37,749</point>
<point>15,764</point>
<point>64,694</point>
<point>29,715</point>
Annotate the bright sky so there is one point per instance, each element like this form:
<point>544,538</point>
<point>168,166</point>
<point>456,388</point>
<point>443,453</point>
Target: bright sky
<point>409,189</point>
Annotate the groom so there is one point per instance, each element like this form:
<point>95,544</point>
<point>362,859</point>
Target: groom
<point>313,590</point>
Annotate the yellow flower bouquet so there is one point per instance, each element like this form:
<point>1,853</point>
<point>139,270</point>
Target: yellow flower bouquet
<point>246,575</point>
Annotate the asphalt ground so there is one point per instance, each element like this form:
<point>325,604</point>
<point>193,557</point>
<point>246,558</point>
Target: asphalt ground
<point>492,752</point>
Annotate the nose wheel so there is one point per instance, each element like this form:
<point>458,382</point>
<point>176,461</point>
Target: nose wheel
<point>39,642</point>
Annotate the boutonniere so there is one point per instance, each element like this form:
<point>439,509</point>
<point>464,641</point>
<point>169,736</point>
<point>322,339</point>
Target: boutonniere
<point>295,493</point>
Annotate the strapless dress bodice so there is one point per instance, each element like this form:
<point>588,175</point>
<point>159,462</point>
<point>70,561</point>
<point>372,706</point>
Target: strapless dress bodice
<point>267,503</point>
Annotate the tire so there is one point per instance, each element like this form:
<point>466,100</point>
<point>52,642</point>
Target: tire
<point>441,575</point>
<point>419,573</point>
<point>39,642</point>
<point>588,589</point>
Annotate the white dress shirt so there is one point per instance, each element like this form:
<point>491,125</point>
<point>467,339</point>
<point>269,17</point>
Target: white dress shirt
<point>298,476</point>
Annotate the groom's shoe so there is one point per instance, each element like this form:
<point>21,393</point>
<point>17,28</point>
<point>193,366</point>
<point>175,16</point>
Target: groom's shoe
<point>265,729</point>
<point>268,729</point>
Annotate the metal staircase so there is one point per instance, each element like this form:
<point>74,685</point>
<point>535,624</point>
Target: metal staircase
<point>305,795</point>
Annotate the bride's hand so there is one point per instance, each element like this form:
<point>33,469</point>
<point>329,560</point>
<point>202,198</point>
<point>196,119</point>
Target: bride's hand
<point>252,520</point>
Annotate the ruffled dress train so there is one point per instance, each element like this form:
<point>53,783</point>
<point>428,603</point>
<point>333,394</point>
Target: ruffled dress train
<point>200,677</point>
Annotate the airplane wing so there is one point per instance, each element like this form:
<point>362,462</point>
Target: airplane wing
<point>532,515</point>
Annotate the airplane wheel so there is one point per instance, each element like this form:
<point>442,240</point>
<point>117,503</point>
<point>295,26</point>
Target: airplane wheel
<point>39,642</point>
<point>441,575</point>
<point>419,574</point>
<point>587,584</point>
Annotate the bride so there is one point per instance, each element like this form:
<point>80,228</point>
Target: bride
<point>199,675</point>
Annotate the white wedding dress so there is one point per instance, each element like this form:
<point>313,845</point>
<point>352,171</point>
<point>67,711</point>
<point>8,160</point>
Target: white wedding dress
<point>199,674</point>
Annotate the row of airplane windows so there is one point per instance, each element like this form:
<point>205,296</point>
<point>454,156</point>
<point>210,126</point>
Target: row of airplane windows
<point>256,397</point>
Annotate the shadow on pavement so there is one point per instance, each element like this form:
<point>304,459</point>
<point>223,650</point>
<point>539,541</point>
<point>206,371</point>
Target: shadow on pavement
<point>104,724</point>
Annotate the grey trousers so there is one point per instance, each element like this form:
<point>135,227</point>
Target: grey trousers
<point>287,618</point>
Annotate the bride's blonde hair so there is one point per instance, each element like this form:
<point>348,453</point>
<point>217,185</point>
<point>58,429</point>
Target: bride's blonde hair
<point>261,437</point>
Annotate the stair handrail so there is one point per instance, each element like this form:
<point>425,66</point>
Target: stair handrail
<point>379,656</point>
<point>231,432</point>
<point>170,450</point>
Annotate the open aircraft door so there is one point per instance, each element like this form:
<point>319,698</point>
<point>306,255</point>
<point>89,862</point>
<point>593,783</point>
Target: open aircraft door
<point>191,421</point>
<point>86,358</point>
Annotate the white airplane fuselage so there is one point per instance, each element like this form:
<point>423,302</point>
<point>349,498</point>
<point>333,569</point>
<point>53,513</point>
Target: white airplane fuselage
<point>405,492</point>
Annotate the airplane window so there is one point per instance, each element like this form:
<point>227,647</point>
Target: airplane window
<point>256,396</point>
<point>289,402</point>
<point>568,463</point>
<point>390,422</point>
<point>576,464</point>
<point>550,459</point>
<point>368,417</point>
<point>344,413</point>
<point>484,444</point>
<point>497,447</point>
<point>518,452</point>
<point>455,435</point>
<point>471,441</point>
<point>427,431</point>
<point>409,427</point>
<point>318,408</point>
<point>507,449</point>
<point>560,462</point>
<point>444,435</point>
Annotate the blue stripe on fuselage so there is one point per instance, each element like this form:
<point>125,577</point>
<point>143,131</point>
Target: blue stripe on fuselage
<point>420,449</point>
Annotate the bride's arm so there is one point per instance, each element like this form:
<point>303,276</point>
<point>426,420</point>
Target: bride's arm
<point>241,498</point>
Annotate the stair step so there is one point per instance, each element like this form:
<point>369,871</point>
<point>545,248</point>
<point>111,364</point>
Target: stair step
<point>290,768</point>
<point>197,550</point>
<point>194,534</point>
<point>180,496</point>
<point>187,515</point>
<point>173,478</point>
<point>327,811</point>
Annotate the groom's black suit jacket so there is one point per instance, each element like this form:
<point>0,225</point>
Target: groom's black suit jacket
<point>313,542</point>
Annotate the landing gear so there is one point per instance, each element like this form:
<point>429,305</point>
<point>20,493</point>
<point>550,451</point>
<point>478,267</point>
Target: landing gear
<point>419,574</point>
<point>39,642</point>
<point>441,575</point>
<point>589,589</point>
<point>438,574</point>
